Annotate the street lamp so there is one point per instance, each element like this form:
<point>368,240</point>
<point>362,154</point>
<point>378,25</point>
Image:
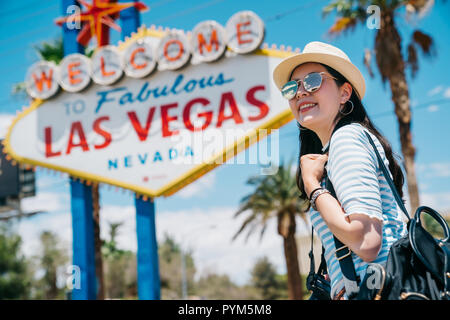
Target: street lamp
<point>184,285</point>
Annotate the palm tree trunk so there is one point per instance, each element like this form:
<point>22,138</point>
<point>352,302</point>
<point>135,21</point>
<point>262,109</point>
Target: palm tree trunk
<point>98,243</point>
<point>286,228</point>
<point>389,40</point>
<point>295,285</point>
<point>403,112</point>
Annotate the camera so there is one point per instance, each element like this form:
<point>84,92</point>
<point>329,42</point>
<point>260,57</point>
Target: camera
<point>319,286</point>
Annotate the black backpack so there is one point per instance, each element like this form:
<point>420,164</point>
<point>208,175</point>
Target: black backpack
<point>417,267</point>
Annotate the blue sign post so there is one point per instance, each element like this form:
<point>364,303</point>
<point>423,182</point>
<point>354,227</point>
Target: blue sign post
<point>82,207</point>
<point>81,199</point>
<point>130,20</point>
<point>147,255</point>
<point>147,246</point>
<point>83,240</point>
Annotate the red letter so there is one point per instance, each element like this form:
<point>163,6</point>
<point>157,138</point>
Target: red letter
<point>40,82</point>
<point>76,126</point>
<point>187,111</point>
<point>103,133</point>
<point>239,33</point>
<point>133,54</point>
<point>227,97</point>
<point>72,73</point>
<point>102,67</point>
<point>141,132</point>
<point>180,51</point>
<point>263,108</point>
<point>166,119</point>
<point>48,144</point>
<point>202,42</point>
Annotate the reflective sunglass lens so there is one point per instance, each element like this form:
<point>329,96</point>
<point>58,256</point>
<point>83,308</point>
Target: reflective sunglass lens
<point>289,90</point>
<point>312,82</point>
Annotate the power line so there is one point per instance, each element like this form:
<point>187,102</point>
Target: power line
<point>4,13</point>
<point>387,113</point>
<point>24,34</point>
<point>188,11</point>
<point>281,15</point>
<point>35,13</point>
<point>420,106</point>
<point>159,4</point>
<point>175,15</point>
<point>18,49</point>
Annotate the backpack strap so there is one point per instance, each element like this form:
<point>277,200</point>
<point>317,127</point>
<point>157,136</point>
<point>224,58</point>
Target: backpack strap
<point>323,264</point>
<point>343,253</point>
<point>388,178</point>
<point>344,256</point>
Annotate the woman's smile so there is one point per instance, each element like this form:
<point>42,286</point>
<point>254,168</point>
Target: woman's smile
<point>305,107</point>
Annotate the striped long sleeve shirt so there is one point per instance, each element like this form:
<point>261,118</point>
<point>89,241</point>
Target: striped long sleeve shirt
<point>361,188</point>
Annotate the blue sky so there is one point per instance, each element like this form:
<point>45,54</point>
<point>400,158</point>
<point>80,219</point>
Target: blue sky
<point>206,206</point>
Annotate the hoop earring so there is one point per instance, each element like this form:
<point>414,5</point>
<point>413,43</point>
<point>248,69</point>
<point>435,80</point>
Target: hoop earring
<point>347,113</point>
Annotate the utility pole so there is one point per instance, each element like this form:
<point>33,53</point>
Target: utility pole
<point>184,283</point>
<point>183,276</point>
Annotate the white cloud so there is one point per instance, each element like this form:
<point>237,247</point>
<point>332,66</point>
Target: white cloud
<point>446,93</point>
<point>30,230</point>
<point>433,108</point>
<point>199,186</point>
<point>434,169</point>
<point>439,201</point>
<point>126,237</point>
<point>435,90</point>
<point>46,201</point>
<point>5,122</point>
<point>207,232</point>
<point>440,169</point>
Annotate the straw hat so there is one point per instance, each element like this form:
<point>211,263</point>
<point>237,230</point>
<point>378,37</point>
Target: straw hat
<point>326,54</point>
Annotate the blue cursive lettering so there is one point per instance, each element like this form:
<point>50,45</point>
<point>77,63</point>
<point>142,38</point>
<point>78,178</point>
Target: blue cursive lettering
<point>178,86</point>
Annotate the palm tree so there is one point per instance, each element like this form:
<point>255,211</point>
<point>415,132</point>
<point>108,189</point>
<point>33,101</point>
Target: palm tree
<point>51,51</point>
<point>277,196</point>
<point>391,62</point>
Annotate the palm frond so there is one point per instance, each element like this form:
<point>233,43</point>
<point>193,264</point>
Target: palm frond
<point>424,42</point>
<point>367,61</point>
<point>273,194</point>
<point>349,13</point>
<point>244,225</point>
<point>19,90</point>
<point>51,51</point>
<point>418,7</point>
<point>342,24</point>
<point>263,230</point>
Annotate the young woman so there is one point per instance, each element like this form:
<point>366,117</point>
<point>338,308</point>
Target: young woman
<point>324,90</point>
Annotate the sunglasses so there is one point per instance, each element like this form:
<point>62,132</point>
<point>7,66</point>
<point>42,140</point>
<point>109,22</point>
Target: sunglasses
<point>311,83</point>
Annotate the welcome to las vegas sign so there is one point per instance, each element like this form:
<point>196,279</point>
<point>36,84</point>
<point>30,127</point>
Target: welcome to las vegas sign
<point>155,112</point>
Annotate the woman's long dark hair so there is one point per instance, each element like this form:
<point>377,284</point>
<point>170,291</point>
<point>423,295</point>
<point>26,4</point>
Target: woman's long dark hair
<point>310,142</point>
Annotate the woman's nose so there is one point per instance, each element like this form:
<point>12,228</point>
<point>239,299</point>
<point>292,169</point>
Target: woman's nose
<point>301,92</point>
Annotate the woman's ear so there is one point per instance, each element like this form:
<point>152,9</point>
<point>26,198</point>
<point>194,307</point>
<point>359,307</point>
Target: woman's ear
<point>346,92</point>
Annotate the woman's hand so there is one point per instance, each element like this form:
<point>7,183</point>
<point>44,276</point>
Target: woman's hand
<point>312,166</point>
